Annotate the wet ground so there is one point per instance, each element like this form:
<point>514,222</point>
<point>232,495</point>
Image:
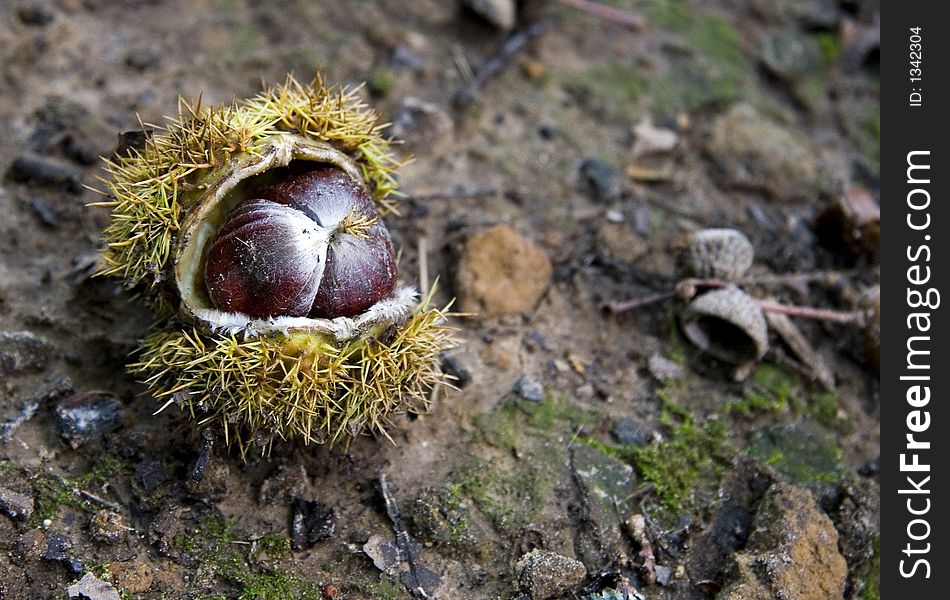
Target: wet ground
<point>606,442</point>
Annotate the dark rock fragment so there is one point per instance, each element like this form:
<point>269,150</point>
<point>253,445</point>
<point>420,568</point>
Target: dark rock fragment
<point>600,180</point>
<point>46,171</point>
<point>311,522</point>
<point>86,416</point>
<point>18,505</point>
<point>530,389</point>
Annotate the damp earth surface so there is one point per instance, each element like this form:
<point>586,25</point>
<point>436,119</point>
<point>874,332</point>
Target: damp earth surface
<point>585,454</point>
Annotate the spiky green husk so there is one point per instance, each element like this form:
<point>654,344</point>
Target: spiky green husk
<point>147,188</point>
<point>301,385</point>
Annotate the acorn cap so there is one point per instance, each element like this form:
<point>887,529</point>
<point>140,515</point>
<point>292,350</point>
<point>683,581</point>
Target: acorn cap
<point>728,324</point>
<point>721,253</point>
<point>319,380</point>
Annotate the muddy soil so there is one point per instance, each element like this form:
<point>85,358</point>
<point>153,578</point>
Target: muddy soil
<point>609,441</point>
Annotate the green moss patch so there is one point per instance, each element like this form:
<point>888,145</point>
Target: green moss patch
<point>715,70</point>
<point>511,493</point>
<point>615,86</point>
<point>440,516</point>
<point>670,14</point>
<point>220,552</point>
<point>769,389</point>
<point>694,455</point>
<point>52,492</point>
<point>513,422</point>
<point>803,451</point>
<point>872,580</point>
<point>823,408</point>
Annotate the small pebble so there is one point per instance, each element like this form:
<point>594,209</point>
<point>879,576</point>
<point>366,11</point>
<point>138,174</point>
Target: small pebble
<point>651,139</point>
<point>150,473</point>
<point>18,506</point>
<point>91,587</point>
<point>46,211</point>
<point>530,389</point>
<point>756,152</point>
<point>617,241</point>
<point>602,181</point>
<point>142,59</point>
<point>330,592</point>
<point>543,574</point>
<point>664,369</point>
<point>36,14</point>
<point>586,391</point>
<point>614,216</point>
<point>57,547</point>
<point>107,527</point>
<point>501,272</point>
<point>405,59</point>
<point>42,170</point>
<point>383,553</point>
<point>533,69</point>
<point>452,365</point>
<point>631,432</point>
<point>547,132</point>
<point>421,124</point>
<point>500,13</point>
<point>535,340</point>
<point>74,566</point>
<point>663,574</point>
<point>791,55</point>
<point>23,352</point>
<point>312,522</point>
<point>87,416</point>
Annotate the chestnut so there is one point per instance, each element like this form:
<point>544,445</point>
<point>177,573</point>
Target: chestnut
<point>310,244</point>
<point>253,229</point>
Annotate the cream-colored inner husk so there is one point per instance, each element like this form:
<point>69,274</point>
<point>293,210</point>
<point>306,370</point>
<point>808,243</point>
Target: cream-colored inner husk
<point>224,191</point>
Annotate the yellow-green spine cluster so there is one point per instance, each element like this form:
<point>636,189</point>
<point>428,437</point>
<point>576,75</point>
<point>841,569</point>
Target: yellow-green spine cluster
<point>300,385</point>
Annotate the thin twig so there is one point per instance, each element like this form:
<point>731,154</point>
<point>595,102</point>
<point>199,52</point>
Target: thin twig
<point>501,59</point>
<point>686,289</point>
<point>407,546</point>
<point>462,64</point>
<point>101,501</point>
<point>607,13</point>
<point>204,457</point>
<point>619,307</point>
<point>423,267</point>
<point>825,277</point>
<point>809,312</point>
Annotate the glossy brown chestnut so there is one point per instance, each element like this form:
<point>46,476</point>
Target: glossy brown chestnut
<point>292,250</point>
